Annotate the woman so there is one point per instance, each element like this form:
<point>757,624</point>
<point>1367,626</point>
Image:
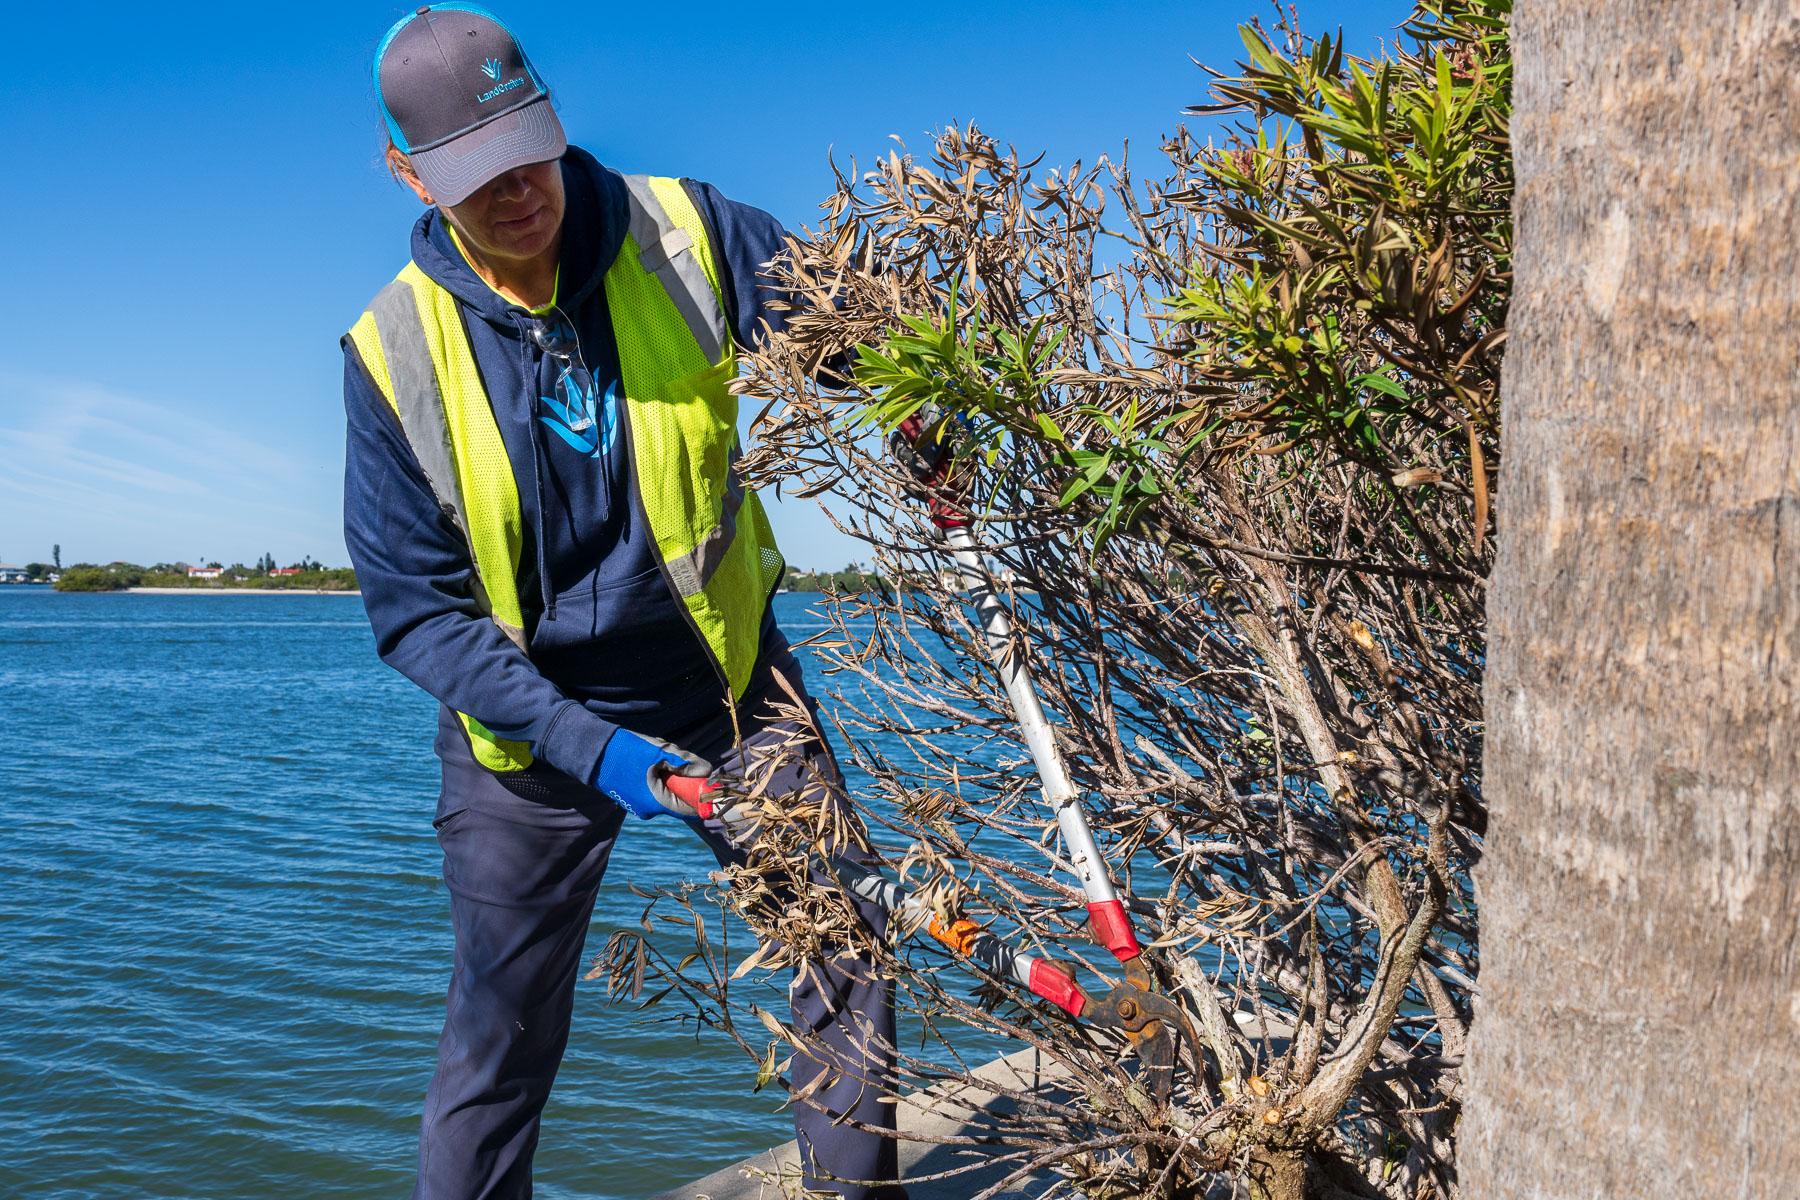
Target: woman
<point>542,506</point>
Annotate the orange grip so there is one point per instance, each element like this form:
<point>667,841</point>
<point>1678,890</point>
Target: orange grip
<point>959,937</point>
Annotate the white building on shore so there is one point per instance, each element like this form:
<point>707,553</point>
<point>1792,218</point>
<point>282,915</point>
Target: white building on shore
<point>12,574</point>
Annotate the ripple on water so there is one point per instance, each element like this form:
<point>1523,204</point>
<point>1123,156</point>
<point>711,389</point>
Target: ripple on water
<point>228,940</point>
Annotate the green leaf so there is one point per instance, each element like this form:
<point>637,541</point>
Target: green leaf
<point>1076,488</point>
<point>766,1070</point>
<point>1379,382</point>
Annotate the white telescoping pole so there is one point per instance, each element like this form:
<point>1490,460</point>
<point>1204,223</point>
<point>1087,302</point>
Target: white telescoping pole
<point>1059,790</point>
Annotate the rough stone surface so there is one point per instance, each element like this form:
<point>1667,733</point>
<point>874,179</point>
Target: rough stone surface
<point>772,1175</point>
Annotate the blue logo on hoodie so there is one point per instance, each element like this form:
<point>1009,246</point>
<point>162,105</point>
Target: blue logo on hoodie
<point>584,424</point>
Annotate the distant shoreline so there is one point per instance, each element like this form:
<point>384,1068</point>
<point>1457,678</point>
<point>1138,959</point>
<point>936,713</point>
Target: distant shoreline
<point>227,591</point>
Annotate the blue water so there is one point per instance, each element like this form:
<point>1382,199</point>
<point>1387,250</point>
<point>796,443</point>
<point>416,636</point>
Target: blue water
<point>225,936</point>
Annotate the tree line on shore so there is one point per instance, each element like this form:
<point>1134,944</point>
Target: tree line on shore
<point>119,575</point>
<point>850,579</point>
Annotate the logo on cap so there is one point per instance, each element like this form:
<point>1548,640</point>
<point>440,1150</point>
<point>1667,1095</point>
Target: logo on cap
<point>491,68</point>
<point>508,86</point>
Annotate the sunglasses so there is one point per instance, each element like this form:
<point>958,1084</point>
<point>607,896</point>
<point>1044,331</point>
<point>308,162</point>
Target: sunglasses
<point>574,383</point>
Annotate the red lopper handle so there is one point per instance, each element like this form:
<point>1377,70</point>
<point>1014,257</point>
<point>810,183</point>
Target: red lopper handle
<point>691,790</point>
<point>1112,929</point>
<point>944,514</point>
<point>1057,986</point>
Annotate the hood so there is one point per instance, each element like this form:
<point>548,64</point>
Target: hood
<point>595,217</point>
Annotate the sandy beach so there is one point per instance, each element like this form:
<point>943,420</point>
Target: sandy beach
<point>209,591</point>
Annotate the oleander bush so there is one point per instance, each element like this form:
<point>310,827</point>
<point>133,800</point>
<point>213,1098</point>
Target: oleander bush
<point>1231,434</point>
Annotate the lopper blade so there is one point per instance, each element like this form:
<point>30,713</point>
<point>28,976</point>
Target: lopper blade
<point>1152,1023</point>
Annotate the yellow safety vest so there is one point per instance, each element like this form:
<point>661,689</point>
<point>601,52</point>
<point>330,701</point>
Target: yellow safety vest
<point>713,540</point>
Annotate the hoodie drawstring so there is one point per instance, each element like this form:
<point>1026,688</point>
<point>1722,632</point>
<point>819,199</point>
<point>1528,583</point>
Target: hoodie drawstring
<point>606,426</point>
<point>546,601</point>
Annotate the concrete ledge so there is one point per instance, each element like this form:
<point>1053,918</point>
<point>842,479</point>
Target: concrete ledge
<point>773,1174</point>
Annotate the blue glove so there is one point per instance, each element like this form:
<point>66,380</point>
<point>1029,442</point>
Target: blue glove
<point>632,770</point>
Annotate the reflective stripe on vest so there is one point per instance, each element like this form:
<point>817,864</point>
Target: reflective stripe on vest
<point>675,355</point>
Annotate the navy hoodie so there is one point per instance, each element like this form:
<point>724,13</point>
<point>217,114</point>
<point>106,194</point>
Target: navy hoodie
<point>610,644</point>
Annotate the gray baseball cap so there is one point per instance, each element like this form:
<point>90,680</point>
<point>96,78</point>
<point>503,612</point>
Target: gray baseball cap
<point>462,100</point>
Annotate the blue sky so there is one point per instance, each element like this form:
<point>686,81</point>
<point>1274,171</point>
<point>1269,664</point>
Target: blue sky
<point>195,211</point>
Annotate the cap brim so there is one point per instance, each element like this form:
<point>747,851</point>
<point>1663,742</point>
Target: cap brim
<point>453,171</point>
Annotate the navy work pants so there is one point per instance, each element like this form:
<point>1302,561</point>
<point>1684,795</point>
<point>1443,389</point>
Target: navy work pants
<point>524,854</point>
